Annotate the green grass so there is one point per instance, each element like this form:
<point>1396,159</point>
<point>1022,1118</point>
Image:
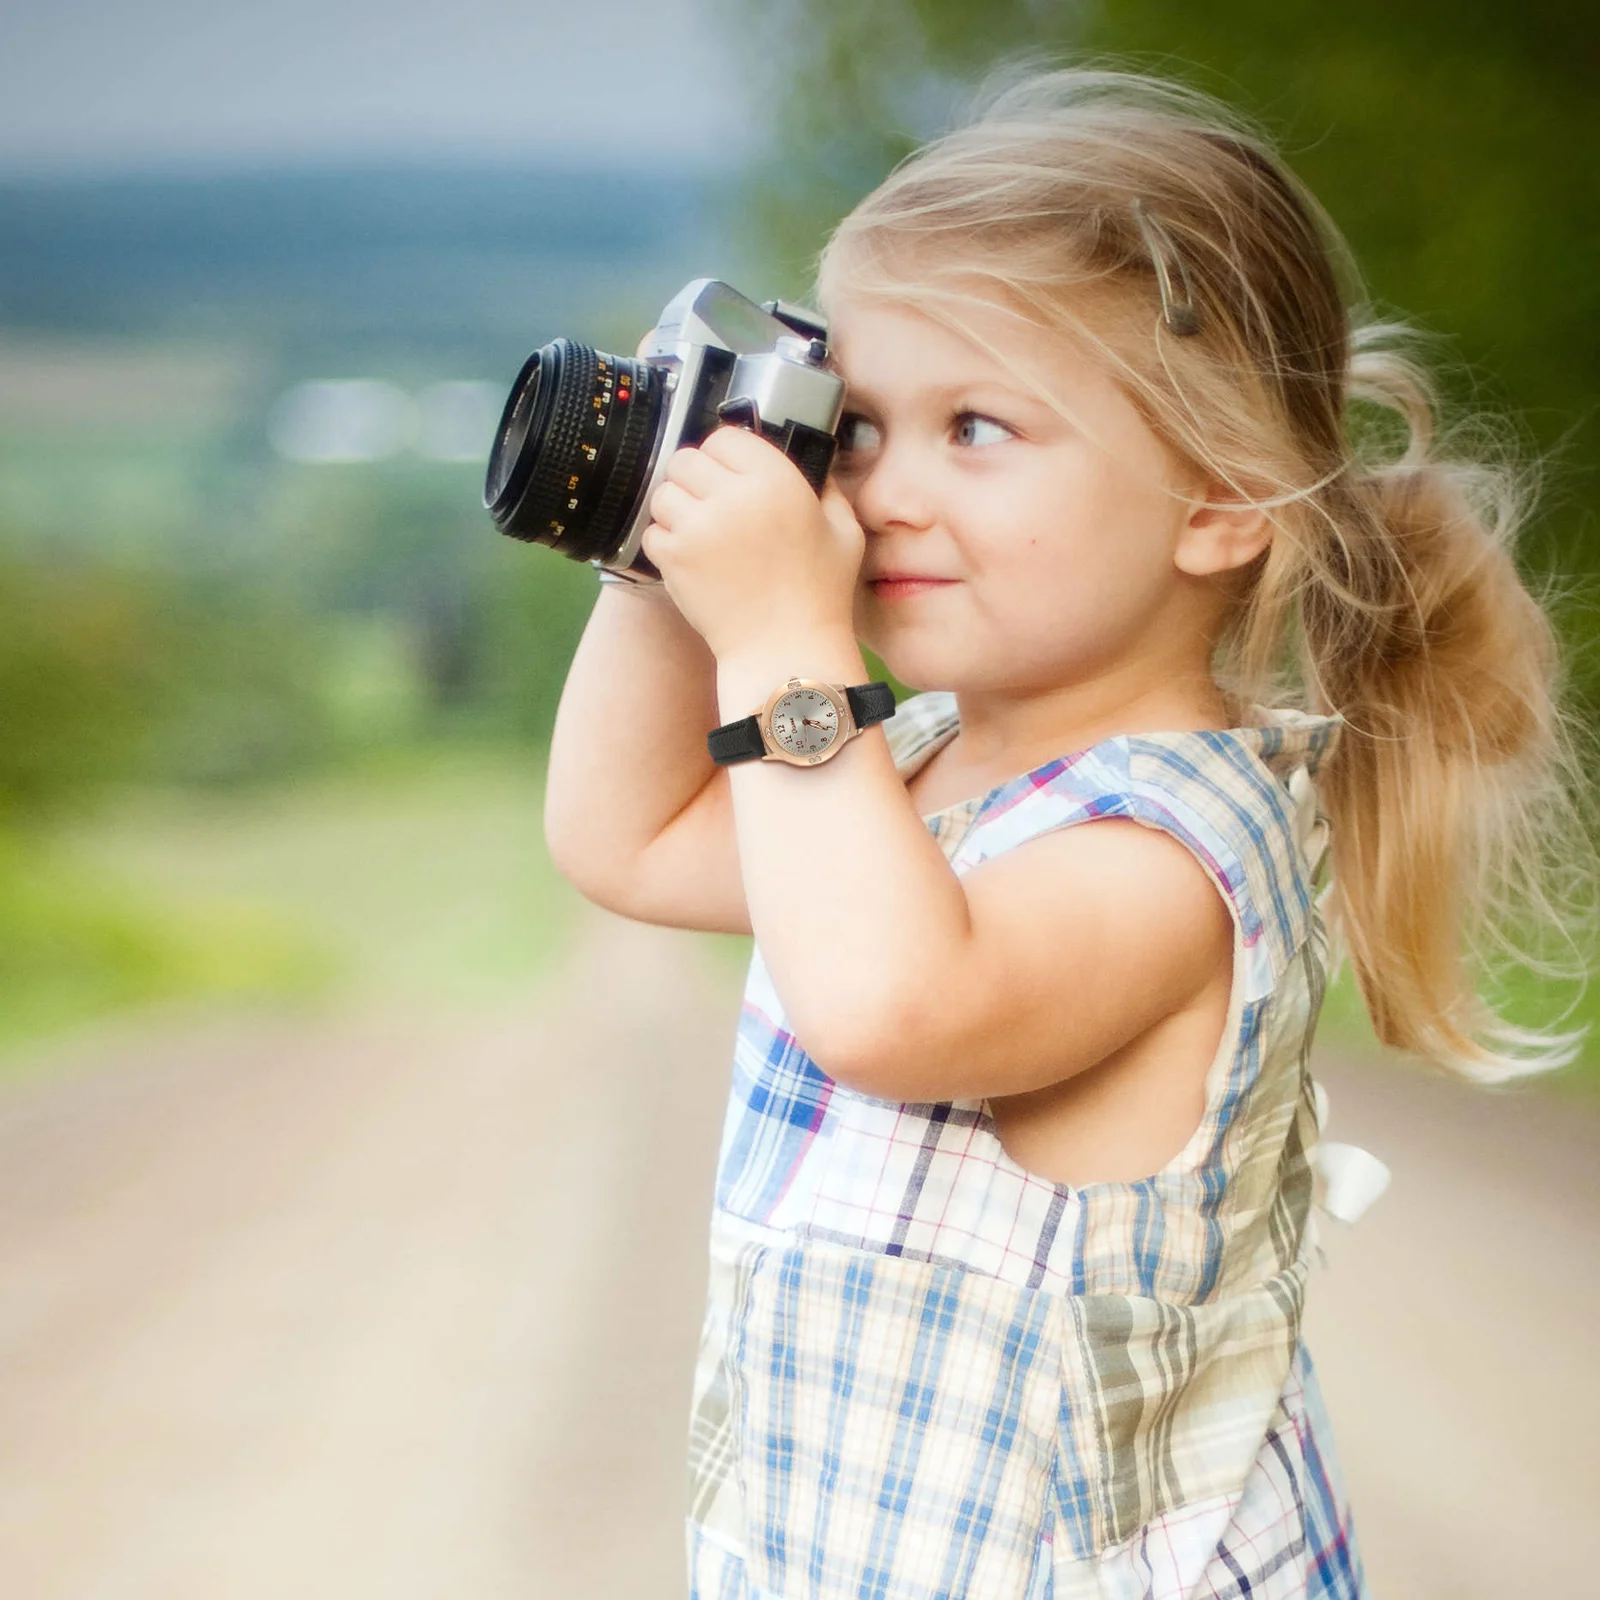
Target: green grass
<point>77,943</point>
<point>423,878</point>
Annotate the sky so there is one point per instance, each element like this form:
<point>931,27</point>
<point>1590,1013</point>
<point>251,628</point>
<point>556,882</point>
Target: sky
<point>94,86</point>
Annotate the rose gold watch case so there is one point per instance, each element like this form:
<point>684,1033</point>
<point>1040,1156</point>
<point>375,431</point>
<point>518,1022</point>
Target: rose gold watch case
<point>847,724</point>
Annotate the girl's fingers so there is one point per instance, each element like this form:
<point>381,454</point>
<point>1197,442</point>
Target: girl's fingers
<point>837,509</point>
<point>695,471</point>
<point>669,499</point>
<point>650,543</point>
<point>737,448</point>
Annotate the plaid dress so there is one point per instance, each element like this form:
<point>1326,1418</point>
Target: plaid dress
<point>925,1371</point>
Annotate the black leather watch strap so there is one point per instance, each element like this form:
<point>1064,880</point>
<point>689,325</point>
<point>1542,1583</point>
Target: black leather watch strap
<point>736,741</point>
<point>741,741</point>
<point>870,703</point>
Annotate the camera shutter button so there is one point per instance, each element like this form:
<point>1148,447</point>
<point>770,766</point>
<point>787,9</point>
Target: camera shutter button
<point>793,347</point>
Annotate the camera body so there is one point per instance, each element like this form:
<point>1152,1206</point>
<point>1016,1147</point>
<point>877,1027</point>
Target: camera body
<point>585,436</point>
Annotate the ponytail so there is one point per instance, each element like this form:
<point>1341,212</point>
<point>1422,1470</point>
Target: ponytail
<point>1453,789</point>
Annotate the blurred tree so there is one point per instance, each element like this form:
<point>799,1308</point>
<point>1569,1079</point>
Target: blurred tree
<point>108,674</point>
<point>1456,145</point>
<point>527,619</point>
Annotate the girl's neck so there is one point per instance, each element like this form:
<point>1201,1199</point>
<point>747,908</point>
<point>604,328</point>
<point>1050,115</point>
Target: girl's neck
<point>1021,729</point>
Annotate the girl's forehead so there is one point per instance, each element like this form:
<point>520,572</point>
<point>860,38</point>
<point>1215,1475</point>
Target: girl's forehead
<point>892,347</point>
<point>862,328</point>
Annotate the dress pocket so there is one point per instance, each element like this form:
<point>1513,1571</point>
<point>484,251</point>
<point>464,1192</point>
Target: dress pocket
<point>897,1425</point>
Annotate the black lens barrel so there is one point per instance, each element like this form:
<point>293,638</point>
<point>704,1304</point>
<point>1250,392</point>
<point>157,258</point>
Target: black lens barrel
<point>573,449</point>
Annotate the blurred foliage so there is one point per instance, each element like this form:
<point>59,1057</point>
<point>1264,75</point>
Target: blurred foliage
<point>109,674</point>
<point>475,631</point>
<point>374,607</point>
<point>376,614</point>
<point>526,627</point>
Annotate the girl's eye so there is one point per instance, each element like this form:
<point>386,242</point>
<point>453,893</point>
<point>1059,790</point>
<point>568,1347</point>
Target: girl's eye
<point>856,433</point>
<point>972,428</point>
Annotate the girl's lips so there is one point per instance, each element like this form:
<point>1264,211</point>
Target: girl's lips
<point>894,588</point>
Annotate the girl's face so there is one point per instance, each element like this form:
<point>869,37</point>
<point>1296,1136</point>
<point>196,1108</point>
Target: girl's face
<point>1051,551</point>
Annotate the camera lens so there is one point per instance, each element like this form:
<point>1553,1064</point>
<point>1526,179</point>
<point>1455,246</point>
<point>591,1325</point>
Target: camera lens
<point>573,449</point>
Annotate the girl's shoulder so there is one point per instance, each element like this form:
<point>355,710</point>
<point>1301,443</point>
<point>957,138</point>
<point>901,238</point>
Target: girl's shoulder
<point>1242,799</point>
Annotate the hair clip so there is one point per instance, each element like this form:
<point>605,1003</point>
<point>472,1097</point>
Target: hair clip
<point>1178,313</point>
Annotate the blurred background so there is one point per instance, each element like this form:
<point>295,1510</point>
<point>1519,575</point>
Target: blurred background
<point>353,1173</point>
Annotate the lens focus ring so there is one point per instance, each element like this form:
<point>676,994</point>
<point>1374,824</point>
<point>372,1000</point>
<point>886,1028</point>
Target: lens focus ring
<point>573,449</point>
<point>544,511</point>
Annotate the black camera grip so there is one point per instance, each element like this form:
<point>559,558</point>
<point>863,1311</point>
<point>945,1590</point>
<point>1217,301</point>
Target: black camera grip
<point>810,449</point>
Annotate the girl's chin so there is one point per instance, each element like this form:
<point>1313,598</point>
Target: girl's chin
<point>916,669</point>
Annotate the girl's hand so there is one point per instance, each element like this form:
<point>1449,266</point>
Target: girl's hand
<point>746,549</point>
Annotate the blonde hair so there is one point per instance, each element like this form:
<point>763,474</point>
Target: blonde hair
<point>1088,202</point>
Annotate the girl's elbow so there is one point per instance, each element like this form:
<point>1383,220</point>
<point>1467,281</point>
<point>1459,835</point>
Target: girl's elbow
<point>589,873</point>
<point>852,1050</point>
<point>886,1063</point>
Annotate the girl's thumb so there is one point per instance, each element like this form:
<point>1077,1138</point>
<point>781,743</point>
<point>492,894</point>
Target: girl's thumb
<point>837,509</point>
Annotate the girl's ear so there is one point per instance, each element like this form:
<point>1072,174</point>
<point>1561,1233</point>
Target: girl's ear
<point>1220,533</point>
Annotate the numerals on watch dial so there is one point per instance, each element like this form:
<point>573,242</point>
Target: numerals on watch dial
<point>804,722</point>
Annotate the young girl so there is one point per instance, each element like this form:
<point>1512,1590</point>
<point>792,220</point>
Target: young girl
<point>1011,1226</point>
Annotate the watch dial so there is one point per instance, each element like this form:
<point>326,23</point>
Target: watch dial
<point>804,722</point>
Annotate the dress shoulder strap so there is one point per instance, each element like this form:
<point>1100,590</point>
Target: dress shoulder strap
<point>918,727</point>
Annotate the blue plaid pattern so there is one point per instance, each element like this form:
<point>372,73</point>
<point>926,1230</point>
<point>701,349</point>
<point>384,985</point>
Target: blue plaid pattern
<point>926,1371</point>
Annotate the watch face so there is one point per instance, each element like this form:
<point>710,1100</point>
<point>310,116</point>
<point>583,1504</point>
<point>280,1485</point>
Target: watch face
<point>804,722</point>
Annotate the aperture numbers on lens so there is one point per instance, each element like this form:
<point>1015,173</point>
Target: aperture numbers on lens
<point>604,395</point>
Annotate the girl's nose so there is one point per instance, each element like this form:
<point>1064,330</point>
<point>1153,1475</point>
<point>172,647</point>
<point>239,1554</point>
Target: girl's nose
<point>893,491</point>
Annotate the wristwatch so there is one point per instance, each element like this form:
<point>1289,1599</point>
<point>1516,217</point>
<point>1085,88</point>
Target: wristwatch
<point>803,722</point>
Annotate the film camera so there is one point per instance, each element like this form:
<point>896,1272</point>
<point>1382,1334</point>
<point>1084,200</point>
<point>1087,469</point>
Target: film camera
<point>585,436</point>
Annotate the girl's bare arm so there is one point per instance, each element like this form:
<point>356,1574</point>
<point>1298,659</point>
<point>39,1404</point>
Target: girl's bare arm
<point>636,814</point>
<point>906,982</point>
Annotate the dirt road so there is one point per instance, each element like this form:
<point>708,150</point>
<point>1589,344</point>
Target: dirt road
<point>389,1308</point>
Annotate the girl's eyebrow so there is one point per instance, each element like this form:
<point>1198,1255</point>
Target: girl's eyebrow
<point>945,391</point>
